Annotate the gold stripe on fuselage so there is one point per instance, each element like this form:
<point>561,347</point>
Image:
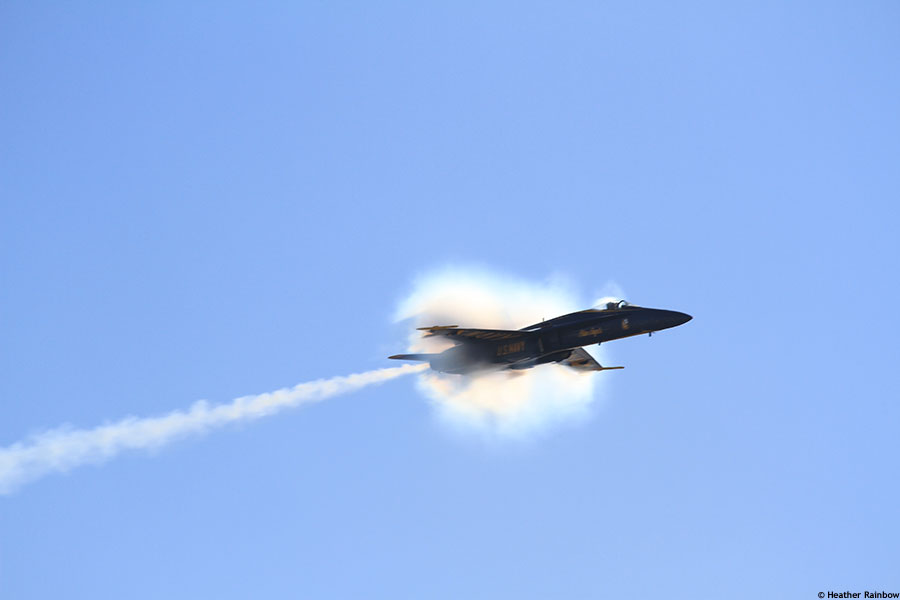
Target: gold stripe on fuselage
<point>590,332</point>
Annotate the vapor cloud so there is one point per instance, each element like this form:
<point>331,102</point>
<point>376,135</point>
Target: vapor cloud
<point>506,404</point>
<point>64,448</point>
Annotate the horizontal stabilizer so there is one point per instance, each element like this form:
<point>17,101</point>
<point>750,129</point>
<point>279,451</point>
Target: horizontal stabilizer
<point>425,357</point>
<point>582,361</point>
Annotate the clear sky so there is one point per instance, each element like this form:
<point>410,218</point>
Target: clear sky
<point>209,200</point>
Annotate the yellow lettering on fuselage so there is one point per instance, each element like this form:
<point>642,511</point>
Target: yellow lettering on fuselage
<point>590,332</point>
<point>504,349</point>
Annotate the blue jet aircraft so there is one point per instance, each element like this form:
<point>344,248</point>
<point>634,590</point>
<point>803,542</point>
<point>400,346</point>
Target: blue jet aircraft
<point>558,340</point>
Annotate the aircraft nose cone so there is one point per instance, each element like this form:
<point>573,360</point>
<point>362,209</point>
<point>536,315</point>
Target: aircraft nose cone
<point>672,318</point>
<point>681,318</point>
<point>664,319</point>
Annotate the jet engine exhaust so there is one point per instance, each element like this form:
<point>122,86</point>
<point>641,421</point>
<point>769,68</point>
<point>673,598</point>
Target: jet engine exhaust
<point>64,448</point>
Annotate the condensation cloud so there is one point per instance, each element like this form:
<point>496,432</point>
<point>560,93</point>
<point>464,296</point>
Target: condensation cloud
<point>506,404</point>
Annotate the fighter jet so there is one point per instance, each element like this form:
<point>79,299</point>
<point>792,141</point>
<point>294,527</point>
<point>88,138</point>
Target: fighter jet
<point>559,340</point>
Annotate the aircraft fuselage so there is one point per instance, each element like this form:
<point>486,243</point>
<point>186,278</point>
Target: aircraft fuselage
<point>548,341</point>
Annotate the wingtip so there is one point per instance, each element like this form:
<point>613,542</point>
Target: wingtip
<point>418,357</point>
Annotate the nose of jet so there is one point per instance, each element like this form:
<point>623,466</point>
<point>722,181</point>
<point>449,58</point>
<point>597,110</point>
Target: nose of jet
<point>671,318</point>
<point>681,318</point>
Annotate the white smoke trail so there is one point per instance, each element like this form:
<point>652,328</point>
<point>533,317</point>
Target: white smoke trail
<point>503,403</point>
<point>65,448</point>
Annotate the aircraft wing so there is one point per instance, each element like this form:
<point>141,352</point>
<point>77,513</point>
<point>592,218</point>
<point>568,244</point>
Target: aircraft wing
<point>582,361</point>
<point>462,335</point>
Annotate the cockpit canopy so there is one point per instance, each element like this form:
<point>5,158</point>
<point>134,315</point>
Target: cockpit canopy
<point>617,305</point>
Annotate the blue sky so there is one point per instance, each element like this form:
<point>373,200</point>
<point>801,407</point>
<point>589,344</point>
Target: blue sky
<point>208,201</point>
